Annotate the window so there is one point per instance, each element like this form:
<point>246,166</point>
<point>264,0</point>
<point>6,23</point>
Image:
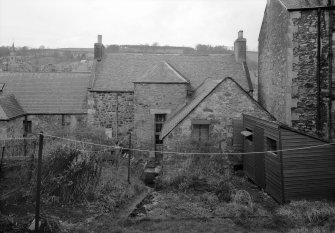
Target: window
<point>27,126</point>
<point>200,132</point>
<point>271,145</point>
<point>159,121</point>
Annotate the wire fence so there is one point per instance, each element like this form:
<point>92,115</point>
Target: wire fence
<point>57,170</point>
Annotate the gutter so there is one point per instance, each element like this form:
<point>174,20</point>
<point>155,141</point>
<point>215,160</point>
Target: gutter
<point>330,74</point>
<point>318,71</point>
<point>312,8</point>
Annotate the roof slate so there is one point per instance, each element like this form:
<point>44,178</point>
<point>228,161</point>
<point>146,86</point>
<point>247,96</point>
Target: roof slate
<point>161,73</point>
<point>291,4</point>
<point>200,94</point>
<point>48,93</point>
<point>118,71</point>
<point>10,108</point>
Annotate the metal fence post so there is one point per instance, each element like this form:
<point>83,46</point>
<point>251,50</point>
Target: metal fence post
<point>38,186</point>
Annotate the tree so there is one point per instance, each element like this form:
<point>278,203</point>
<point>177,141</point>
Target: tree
<point>4,51</point>
<point>155,44</point>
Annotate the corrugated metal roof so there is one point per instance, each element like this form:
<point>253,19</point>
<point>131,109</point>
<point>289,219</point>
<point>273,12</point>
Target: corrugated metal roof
<point>200,94</point>
<point>291,4</point>
<point>118,71</point>
<point>10,108</point>
<point>48,93</point>
<point>161,73</point>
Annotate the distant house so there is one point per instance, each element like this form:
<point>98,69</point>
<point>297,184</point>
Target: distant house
<point>34,102</point>
<point>142,91</point>
<point>12,117</point>
<point>296,66</point>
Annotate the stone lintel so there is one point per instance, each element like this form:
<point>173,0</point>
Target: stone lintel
<point>160,111</point>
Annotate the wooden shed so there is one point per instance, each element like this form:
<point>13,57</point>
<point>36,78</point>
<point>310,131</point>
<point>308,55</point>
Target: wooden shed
<point>293,173</point>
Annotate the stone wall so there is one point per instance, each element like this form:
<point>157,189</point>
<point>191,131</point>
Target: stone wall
<point>288,67</point>
<point>56,123</point>
<point>273,84</point>
<point>113,111</point>
<point>226,103</point>
<point>151,99</point>
<point>12,128</point>
<point>304,72</point>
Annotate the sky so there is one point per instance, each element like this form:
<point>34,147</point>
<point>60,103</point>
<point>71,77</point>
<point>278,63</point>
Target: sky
<point>76,23</point>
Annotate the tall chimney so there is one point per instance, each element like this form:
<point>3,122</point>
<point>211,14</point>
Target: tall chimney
<point>98,49</point>
<point>240,48</point>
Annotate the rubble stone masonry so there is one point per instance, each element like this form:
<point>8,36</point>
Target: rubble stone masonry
<point>304,71</point>
<point>226,103</point>
<point>287,82</point>
<point>151,99</point>
<point>273,84</point>
<point>111,110</point>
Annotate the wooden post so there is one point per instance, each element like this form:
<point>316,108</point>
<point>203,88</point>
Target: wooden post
<point>25,128</point>
<point>129,154</point>
<point>38,185</point>
<point>32,158</point>
<point>2,155</point>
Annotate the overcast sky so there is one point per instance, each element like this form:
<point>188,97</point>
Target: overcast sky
<point>76,23</point>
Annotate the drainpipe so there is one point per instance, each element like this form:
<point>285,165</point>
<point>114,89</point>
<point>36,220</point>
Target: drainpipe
<point>330,72</point>
<point>318,81</point>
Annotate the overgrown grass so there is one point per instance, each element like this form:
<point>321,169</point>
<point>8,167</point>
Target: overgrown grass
<point>305,213</point>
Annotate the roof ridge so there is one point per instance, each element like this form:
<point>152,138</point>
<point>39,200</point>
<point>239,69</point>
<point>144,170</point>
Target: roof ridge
<point>196,101</point>
<point>179,75</point>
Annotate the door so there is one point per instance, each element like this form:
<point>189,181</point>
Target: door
<point>259,158</point>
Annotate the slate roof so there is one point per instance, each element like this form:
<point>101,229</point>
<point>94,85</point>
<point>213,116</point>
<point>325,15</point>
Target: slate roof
<point>48,93</point>
<point>118,71</point>
<point>10,108</point>
<point>162,72</point>
<point>291,4</point>
<point>199,95</point>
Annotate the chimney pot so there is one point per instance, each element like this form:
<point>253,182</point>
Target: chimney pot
<point>240,48</point>
<point>240,34</point>
<point>100,39</point>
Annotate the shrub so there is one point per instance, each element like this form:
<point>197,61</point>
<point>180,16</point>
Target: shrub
<point>69,175</point>
<point>224,191</point>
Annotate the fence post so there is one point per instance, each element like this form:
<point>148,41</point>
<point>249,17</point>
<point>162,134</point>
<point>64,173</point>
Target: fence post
<point>2,155</point>
<point>129,154</point>
<point>38,186</point>
<point>32,158</point>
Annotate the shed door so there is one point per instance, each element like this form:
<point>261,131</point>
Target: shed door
<point>259,158</point>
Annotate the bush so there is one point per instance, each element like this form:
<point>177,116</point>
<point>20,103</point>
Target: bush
<point>69,175</point>
<point>224,191</point>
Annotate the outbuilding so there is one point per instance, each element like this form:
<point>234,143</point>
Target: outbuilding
<point>294,165</point>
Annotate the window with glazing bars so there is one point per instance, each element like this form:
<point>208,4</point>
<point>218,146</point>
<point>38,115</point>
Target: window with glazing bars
<point>159,121</point>
<point>200,132</point>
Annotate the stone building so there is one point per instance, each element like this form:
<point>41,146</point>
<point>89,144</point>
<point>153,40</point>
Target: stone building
<point>48,102</point>
<point>139,92</point>
<point>296,82</point>
<point>207,123</point>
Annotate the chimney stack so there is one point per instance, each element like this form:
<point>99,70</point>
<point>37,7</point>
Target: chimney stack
<point>240,48</point>
<point>99,49</point>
